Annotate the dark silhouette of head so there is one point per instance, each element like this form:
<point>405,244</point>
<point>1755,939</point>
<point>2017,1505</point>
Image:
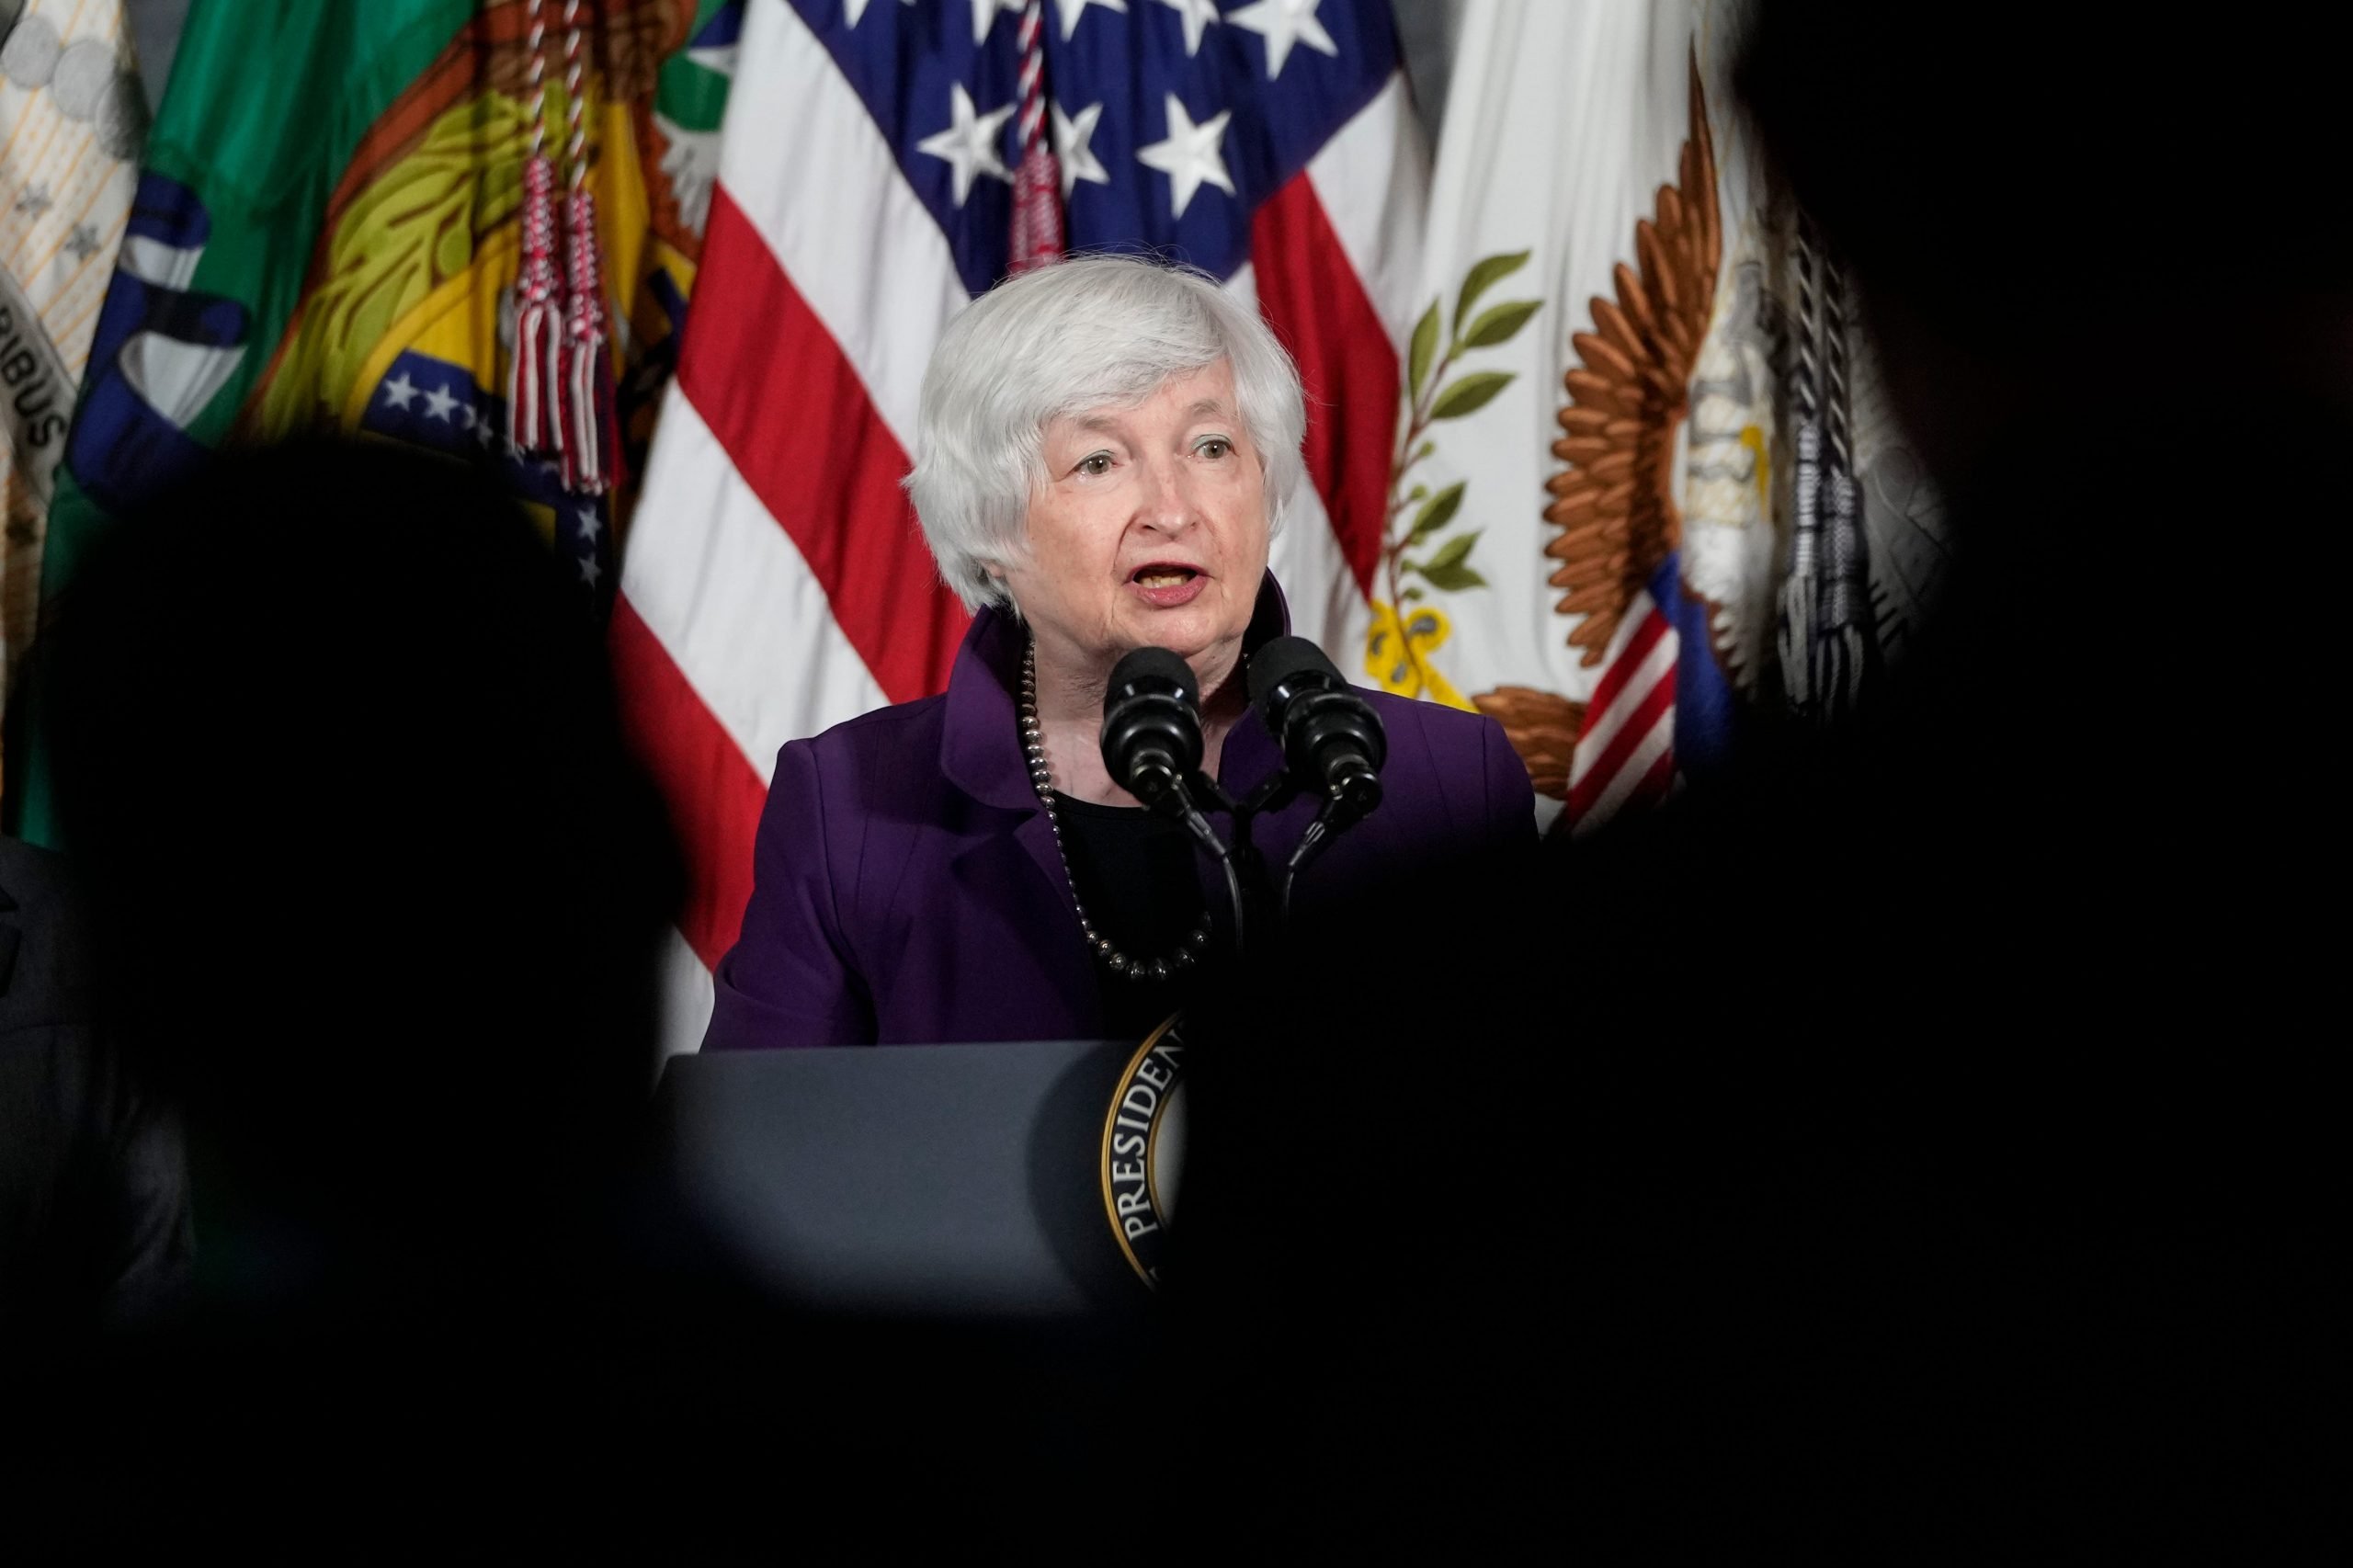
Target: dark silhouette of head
<point>380,893</point>
<point>2057,219</point>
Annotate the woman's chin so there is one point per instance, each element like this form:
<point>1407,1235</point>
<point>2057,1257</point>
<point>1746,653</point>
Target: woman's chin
<point>1186,631</point>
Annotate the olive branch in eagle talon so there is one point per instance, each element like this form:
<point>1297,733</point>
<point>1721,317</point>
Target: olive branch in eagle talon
<point>1396,645</point>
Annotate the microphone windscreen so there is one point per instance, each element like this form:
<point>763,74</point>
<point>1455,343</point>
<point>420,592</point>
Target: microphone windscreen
<point>1156,666</point>
<point>1284,658</point>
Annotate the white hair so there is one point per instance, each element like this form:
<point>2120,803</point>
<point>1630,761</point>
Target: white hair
<point>1089,333</point>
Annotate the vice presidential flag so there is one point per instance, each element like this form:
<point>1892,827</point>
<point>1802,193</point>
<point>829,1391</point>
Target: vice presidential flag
<point>776,582</point>
<point>1587,544</point>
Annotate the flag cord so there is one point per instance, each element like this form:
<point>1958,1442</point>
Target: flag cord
<point>559,385</point>
<point>532,376</point>
<point>586,445</point>
<point>1037,180</point>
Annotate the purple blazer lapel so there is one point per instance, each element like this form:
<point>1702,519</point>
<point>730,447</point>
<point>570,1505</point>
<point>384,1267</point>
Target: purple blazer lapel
<point>980,747</point>
<point>979,753</point>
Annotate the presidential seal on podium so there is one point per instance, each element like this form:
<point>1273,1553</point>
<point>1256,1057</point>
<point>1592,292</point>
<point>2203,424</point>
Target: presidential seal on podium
<point>1144,1149</point>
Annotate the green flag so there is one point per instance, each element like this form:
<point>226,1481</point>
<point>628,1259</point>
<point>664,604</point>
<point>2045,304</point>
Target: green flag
<point>327,231</point>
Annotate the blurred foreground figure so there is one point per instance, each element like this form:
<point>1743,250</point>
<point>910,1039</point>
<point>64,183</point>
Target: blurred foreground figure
<point>376,900</point>
<point>1965,1207</point>
<point>94,1210</point>
<point>335,751</point>
<point>1903,1149</point>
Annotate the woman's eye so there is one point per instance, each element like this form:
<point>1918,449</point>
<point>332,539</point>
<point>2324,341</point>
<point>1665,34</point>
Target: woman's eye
<point>1094,464</point>
<point>1215,446</point>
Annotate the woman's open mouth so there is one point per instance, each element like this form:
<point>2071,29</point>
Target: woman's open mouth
<point>1166,585</point>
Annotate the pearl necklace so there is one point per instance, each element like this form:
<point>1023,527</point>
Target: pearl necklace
<point>1042,777</point>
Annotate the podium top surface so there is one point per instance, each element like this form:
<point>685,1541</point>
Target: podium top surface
<point>961,1181</point>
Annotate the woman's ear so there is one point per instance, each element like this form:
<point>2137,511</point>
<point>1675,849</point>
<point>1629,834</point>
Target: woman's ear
<point>998,592</point>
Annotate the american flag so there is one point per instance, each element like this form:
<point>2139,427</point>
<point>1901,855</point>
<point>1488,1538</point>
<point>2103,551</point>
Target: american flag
<point>1657,717</point>
<point>775,582</point>
<point>1625,754</point>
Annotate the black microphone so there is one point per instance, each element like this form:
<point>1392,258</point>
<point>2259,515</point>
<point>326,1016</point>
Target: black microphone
<point>1152,744</point>
<point>1151,728</point>
<point>1332,740</point>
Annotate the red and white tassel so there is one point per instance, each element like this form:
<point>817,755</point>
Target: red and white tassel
<point>532,425</point>
<point>589,446</point>
<point>590,449</point>
<point>1037,181</point>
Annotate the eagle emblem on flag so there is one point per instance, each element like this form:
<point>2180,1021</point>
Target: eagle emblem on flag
<point>1664,692</point>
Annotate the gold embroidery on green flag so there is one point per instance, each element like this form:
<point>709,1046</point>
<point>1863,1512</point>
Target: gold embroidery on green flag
<point>416,226</point>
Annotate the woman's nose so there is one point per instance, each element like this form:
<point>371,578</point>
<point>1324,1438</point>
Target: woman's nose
<point>1166,503</point>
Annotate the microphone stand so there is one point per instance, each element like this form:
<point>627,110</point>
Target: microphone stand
<point>1247,884</point>
<point>1238,861</point>
<point>1244,863</point>
<point>1186,794</point>
<point>1310,843</point>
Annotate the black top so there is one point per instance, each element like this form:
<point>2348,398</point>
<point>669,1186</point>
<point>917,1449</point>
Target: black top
<point>1136,872</point>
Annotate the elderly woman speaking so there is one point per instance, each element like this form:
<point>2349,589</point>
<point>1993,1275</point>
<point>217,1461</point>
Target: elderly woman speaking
<point>1104,452</point>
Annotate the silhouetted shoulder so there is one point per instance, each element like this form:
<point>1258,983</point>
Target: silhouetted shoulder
<point>31,876</point>
<point>43,942</point>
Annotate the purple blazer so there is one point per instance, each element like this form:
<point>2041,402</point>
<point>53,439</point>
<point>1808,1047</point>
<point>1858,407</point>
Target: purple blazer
<point>906,888</point>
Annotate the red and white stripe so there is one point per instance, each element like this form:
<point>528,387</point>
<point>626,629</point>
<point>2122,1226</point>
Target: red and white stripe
<point>776,582</point>
<point>1333,257</point>
<point>1625,754</point>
